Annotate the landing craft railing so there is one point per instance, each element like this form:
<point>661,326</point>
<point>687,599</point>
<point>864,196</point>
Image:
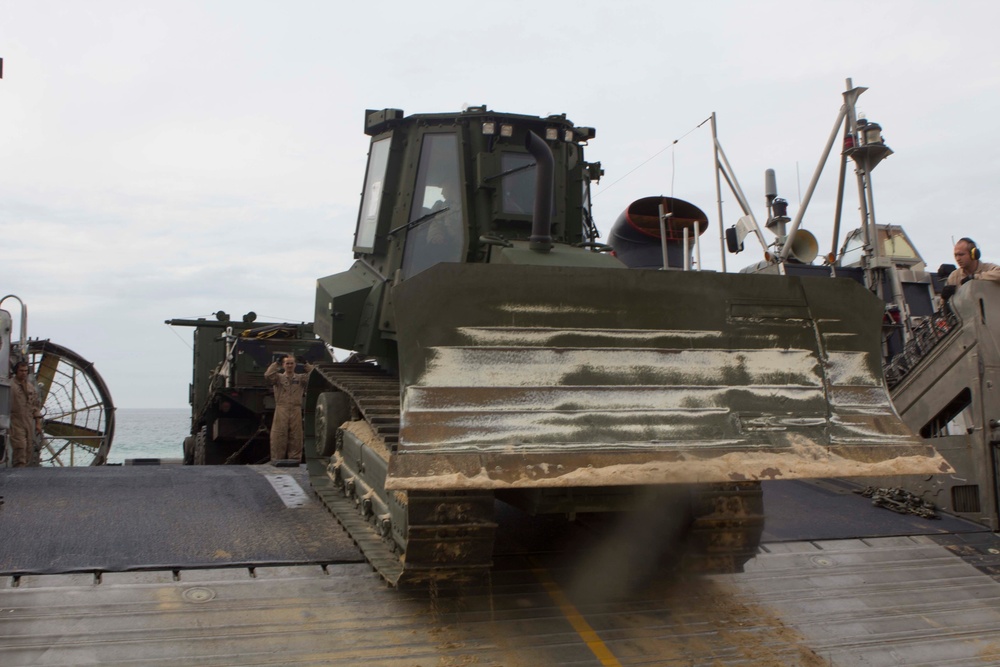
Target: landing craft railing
<point>925,338</point>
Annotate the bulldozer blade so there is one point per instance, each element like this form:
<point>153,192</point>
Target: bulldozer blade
<point>540,376</point>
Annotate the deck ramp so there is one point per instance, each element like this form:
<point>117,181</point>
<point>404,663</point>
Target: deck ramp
<point>114,519</point>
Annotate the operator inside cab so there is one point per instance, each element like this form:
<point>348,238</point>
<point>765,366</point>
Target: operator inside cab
<point>437,230</point>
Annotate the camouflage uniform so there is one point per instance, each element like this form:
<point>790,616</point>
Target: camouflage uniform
<point>286,428</point>
<point>25,408</point>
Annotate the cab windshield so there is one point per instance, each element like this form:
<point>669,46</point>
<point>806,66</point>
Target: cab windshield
<point>436,229</point>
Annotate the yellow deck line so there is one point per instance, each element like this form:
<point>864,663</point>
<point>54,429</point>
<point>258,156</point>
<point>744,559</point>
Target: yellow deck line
<point>576,619</point>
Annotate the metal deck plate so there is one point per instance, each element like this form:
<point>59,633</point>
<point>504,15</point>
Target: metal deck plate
<point>288,490</point>
<point>930,599</point>
<point>888,601</point>
<point>831,509</point>
<point>110,518</point>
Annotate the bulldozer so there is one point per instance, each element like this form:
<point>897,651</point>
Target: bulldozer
<point>501,352</point>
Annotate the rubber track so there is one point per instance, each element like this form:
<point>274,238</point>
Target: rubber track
<point>728,524</point>
<point>375,549</point>
<point>374,392</point>
<point>440,548</point>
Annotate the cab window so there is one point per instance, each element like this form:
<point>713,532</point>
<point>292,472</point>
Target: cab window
<point>518,186</point>
<point>436,223</point>
<point>854,249</point>
<point>895,244</point>
<point>371,202</point>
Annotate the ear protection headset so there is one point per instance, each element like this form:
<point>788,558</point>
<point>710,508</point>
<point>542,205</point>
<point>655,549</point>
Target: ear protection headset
<point>973,248</point>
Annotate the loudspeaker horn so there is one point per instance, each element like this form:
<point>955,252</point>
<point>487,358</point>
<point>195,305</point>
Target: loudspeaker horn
<point>804,247</point>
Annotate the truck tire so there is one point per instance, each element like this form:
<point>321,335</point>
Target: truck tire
<point>200,445</point>
<point>189,450</point>
<point>333,408</point>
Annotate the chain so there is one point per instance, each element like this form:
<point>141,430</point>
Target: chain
<point>901,501</point>
<point>236,455</point>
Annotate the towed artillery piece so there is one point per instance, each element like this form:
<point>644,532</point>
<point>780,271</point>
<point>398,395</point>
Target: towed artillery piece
<point>231,404</point>
<point>500,352</point>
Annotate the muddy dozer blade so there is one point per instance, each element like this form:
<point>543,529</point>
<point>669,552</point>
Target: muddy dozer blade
<point>532,376</point>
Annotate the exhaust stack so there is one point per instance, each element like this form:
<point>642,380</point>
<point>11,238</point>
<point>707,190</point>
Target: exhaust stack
<point>541,220</point>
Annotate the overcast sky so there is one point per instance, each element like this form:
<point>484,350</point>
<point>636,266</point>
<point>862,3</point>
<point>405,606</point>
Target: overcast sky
<point>171,159</point>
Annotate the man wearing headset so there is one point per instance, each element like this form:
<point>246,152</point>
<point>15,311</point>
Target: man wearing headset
<point>970,265</point>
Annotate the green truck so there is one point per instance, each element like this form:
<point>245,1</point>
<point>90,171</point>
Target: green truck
<point>231,403</point>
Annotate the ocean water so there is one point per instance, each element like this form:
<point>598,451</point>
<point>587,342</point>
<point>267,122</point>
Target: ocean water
<point>149,433</point>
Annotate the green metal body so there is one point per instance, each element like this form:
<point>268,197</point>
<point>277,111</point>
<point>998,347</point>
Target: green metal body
<point>488,184</point>
<point>530,360</point>
<point>231,404</point>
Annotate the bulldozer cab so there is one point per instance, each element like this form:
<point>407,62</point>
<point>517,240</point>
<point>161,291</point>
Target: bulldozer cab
<point>456,188</point>
<point>437,183</point>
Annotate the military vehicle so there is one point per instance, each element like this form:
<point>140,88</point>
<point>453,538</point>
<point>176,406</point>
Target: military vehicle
<point>500,351</point>
<point>941,359</point>
<point>943,383</point>
<point>79,414</point>
<point>231,403</point>
<point>940,356</point>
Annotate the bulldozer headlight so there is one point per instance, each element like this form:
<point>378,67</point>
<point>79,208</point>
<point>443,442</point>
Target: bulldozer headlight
<point>552,134</point>
<point>489,128</point>
<point>506,130</point>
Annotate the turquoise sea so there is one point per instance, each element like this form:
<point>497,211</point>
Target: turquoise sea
<point>149,433</point>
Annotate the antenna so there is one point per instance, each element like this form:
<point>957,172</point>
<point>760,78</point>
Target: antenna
<point>770,186</point>
<point>798,181</point>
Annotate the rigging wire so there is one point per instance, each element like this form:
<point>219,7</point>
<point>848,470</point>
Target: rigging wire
<point>649,159</point>
<point>279,320</point>
<point>181,339</point>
